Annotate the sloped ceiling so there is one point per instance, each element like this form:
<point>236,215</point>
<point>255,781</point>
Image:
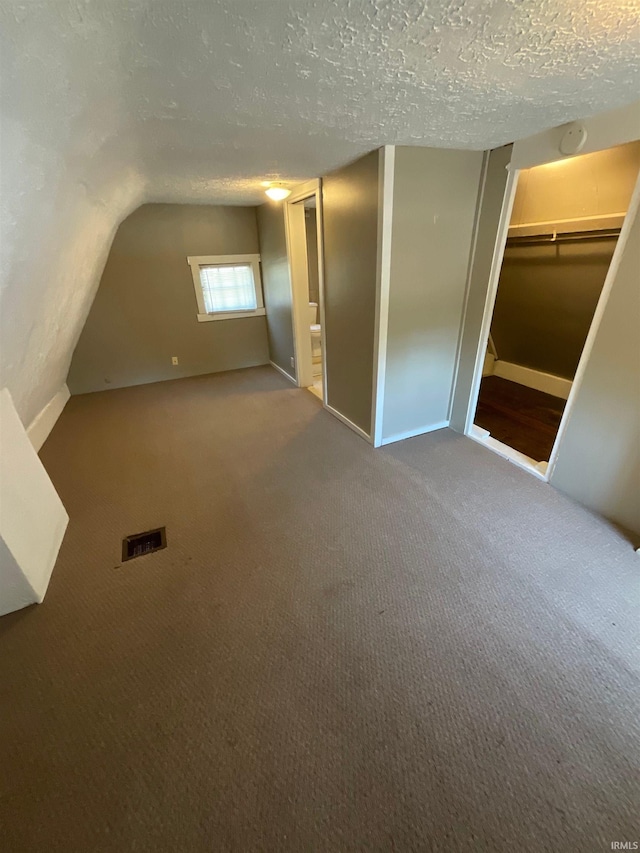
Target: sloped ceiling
<point>107,104</point>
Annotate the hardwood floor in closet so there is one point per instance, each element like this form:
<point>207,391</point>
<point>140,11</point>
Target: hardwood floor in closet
<point>520,417</point>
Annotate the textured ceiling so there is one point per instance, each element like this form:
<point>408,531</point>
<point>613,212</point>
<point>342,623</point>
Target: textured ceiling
<point>216,96</point>
<point>109,103</point>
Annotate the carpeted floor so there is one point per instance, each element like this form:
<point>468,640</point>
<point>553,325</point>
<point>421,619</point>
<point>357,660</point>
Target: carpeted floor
<point>421,648</point>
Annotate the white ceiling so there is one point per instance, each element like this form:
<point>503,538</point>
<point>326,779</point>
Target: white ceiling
<point>218,95</point>
<point>110,103</point>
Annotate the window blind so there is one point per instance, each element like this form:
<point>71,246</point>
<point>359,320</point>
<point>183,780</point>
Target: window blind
<point>228,288</point>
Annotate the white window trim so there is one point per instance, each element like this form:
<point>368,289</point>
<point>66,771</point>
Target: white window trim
<point>197,261</point>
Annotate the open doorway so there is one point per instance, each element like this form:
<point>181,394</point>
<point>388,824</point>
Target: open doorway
<point>304,244</point>
<point>562,234</point>
<point>313,280</point>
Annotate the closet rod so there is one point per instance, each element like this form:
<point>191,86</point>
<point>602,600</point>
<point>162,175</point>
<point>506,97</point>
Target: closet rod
<point>569,236</point>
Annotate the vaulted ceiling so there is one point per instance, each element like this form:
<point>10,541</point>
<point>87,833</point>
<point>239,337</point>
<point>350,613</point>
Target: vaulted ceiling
<point>107,104</point>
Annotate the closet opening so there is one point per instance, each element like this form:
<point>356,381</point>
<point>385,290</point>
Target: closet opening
<point>562,234</point>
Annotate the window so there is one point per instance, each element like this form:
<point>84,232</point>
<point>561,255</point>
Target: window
<point>227,286</point>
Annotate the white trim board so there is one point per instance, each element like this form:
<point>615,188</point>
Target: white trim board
<point>600,222</point>
<point>482,436</point>
<point>490,297</point>
<point>33,519</point>
<point>467,287</point>
<point>386,176</point>
<point>413,433</point>
<point>558,386</point>
<point>348,423</point>
<point>283,372</point>
<point>40,427</point>
<point>296,241</point>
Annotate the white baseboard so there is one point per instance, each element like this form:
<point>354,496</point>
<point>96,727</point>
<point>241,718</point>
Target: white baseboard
<point>348,423</point>
<point>489,361</point>
<point>283,372</point>
<point>412,433</point>
<point>547,382</point>
<point>40,427</point>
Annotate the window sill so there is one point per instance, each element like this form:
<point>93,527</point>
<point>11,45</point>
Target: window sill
<point>230,315</point>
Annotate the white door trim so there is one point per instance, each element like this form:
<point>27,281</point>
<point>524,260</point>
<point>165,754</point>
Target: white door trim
<point>299,272</point>
<point>492,292</point>
<point>386,173</point>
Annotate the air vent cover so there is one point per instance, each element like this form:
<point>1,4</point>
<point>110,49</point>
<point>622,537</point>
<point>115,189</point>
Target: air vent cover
<point>144,543</point>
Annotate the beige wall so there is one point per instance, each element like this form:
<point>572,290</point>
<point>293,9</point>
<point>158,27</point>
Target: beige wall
<point>486,235</point>
<point>276,280</point>
<point>434,205</point>
<point>350,220</point>
<point>593,184</point>
<point>145,308</point>
<point>598,459</point>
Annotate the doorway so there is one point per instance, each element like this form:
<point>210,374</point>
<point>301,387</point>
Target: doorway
<point>304,246</point>
<point>562,234</point>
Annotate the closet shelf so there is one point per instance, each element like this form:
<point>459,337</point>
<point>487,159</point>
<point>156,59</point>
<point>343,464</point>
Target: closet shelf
<point>585,227</point>
<point>563,237</point>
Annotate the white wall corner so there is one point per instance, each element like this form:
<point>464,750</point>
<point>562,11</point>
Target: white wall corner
<point>32,518</point>
<point>40,427</point>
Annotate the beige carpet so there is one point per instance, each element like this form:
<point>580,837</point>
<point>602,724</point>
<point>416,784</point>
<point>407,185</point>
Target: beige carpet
<point>341,649</point>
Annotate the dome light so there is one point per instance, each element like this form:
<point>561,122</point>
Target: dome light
<point>277,193</point>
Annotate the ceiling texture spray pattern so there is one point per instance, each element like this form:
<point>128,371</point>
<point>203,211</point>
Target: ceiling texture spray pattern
<point>107,104</point>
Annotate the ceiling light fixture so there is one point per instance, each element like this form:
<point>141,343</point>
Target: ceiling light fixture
<point>277,192</point>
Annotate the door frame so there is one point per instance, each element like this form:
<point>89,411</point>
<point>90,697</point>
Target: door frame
<point>299,272</point>
<point>541,470</point>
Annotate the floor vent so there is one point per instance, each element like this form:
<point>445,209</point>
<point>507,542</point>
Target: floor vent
<point>144,543</point>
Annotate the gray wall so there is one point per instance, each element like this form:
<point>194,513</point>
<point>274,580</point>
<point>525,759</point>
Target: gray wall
<point>599,454</point>
<point>546,299</point>
<point>487,230</point>
<point>350,220</point>
<point>145,309</point>
<point>276,280</point>
<point>434,207</point>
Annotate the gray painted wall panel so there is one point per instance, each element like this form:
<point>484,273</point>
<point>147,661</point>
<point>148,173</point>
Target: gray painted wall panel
<point>276,281</point>
<point>487,231</point>
<point>350,219</point>
<point>599,455</point>
<point>434,207</point>
<point>145,309</point>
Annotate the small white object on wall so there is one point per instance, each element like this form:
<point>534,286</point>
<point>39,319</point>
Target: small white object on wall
<point>574,139</point>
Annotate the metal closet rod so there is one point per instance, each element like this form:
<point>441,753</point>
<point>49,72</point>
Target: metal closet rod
<point>566,237</point>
